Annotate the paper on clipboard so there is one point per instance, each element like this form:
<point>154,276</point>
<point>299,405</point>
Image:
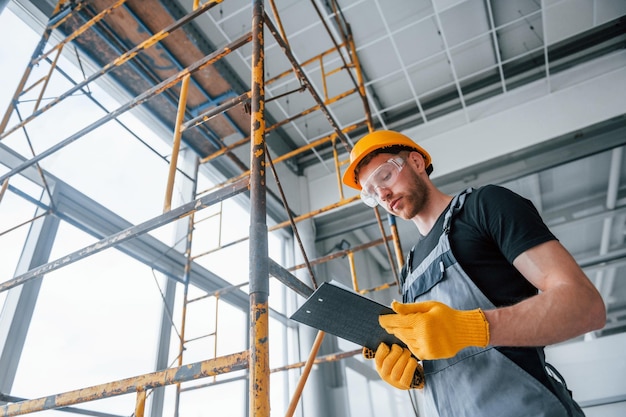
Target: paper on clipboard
<point>346,314</point>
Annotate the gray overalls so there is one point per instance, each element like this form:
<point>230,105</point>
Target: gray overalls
<point>478,382</point>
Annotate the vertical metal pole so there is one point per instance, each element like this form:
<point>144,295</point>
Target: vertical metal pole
<point>337,169</point>
<point>355,283</point>
<point>184,227</point>
<point>140,403</point>
<point>305,374</point>
<point>186,278</point>
<point>397,246</point>
<point>3,4</point>
<point>359,75</point>
<point>259,268</point>
<point>5,185</point>
<point>27,71</point>
<point>180,116</point>
<point>394,268</point>
<point>47,78</point>
<point>19,305</point>
<point>167,205</point>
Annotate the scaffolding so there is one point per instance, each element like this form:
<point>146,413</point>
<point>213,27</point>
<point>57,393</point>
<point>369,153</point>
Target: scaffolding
<point>253,180</point>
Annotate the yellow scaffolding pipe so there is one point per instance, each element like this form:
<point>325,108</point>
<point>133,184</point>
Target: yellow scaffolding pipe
<point>5,185</point>
<point>333,357</point>
<point>361,83</point>
<point>120,60</point>
<point>20,88</point>
<point>197,370</point>
<point>281,158</point>
<point>303,64</point>
<point>140,405</point>
<point>80,30</point>
<point>259,381</point>
<point>316,212</point>
<point>305,374</point>
<point>180,116</point>
<point>280,23</point>
<point>339,254</point>
<point>47,79</point>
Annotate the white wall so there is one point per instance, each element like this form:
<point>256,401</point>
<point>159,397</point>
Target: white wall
<point>580,97</point>
<point>595,371</point>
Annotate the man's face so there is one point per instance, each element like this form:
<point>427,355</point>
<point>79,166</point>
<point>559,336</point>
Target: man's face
<point>405,197</point>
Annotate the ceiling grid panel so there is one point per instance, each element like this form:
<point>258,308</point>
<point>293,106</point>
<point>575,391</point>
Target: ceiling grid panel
<point>457,84</point>
<point>496,44</point>
<point>401,60</point>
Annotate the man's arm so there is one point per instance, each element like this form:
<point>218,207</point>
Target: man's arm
<point>567,305</point>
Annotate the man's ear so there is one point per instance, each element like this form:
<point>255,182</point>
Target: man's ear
<point>417,160</point>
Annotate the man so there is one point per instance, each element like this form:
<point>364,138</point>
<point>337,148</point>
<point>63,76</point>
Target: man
<point>485,288</point>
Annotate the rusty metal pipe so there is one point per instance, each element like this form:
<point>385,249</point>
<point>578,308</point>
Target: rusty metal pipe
<point>215,111</point>
<point>332,38</point>
<point>337,170</point>
<point>143,97</point>
<point>361,84</point>
<point>197,370</point>
<point>305,374</point>
<point>20,87</point>
<point>127,234</point>
<point>355,282</point>
<point>303,77</point>
<point>379,288</point>
<point>316,212</point>
<point>396,240</point>
<point>281,158</point>
<point>333,357</point>
<point>394,269</point>
<point>5,185</point>
<point>225,150</point>
<point>279,22</point>
<point>259,381</point>
<point>339,254</point>
<point>140,404</point>
<point>311,110</point>
<point>79,31</point>
<point>47,79</point>
<point>116,63</point>
<point>291,221</point>
<point>38,50</point>
<point>302,64</point>
<point>178,133</point>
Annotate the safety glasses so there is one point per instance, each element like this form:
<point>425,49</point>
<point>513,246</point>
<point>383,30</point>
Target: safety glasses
<point>383,177</point>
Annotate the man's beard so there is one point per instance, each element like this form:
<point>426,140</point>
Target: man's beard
<point>415,198</point>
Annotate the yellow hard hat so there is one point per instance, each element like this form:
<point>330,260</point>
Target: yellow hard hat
<point>377,140</point>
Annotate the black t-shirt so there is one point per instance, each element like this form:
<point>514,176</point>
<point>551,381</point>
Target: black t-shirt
<point>494,226</point>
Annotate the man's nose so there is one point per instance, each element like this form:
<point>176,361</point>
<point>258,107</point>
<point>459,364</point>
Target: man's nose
<point>383,193</point>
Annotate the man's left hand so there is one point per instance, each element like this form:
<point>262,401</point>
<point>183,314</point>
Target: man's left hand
<point>433,330</point>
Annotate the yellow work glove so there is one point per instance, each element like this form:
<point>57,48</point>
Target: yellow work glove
<point>396,366</point>
<point>433,330</point>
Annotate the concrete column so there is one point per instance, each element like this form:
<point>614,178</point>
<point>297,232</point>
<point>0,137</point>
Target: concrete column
<point>188,192</point>
<point>20,302</point>
<point>3,4</point>
<point>321,396</point>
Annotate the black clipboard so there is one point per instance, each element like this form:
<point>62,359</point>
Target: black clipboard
<point>346,314</point>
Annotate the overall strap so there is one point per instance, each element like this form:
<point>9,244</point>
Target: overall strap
<point>455,206</point>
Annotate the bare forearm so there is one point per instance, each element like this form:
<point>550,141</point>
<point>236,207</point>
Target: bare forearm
<point>551,317</point>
